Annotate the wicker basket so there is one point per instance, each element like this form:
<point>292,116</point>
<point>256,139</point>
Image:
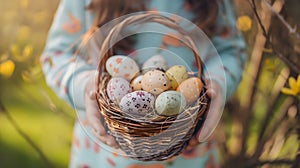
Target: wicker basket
<point>153,138</point>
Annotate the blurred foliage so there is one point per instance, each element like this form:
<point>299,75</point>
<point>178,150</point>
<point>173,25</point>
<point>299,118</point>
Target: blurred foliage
<point>262,120</point>
<point>31,104</point>
<point>259,127</point>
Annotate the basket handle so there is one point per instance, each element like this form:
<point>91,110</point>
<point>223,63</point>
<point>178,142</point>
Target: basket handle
<point>146,18</point>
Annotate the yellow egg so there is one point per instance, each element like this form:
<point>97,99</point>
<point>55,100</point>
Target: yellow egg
<point>190,89</point>
<point>155,82</point>
<point>176,74</point>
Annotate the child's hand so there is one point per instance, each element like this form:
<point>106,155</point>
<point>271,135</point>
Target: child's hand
<point>93,115</point>
<point>213,116</point>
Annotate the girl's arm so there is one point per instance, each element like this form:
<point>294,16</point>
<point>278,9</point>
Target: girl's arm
<point>225,71</point>
<point>58,59</point>
<point>232,50</point>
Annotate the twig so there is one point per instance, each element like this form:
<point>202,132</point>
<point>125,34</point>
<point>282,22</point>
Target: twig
<point>25,136</point>
<point>267,36</point>
<point>263,137</point>
<point>285,60</point>
<point>53,108</point>
<point>292,31</point>
<point>254,8</point>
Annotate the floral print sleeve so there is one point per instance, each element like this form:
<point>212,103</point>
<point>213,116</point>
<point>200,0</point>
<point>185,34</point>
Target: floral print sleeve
<point>58,59</point>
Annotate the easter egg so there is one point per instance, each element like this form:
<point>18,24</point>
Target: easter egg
<point>122,66</point>
<point>155,62</point>
<point>169,103</point>
<point>137,102</point>
<point>190,89</point>
<point>176,74</point>
<point>136,83</point>
<point>155,82</point>
<point>117,88</point>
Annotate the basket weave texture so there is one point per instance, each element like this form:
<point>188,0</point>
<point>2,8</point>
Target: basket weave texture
<point>151,137</point>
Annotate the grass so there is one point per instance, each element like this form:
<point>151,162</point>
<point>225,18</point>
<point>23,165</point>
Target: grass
<point>47,129</point>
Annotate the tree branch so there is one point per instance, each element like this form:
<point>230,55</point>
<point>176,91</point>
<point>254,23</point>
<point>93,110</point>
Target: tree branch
<point>292,31</point>
<point>254,9</point>
<point>271,162</point>
<point>267,36</point>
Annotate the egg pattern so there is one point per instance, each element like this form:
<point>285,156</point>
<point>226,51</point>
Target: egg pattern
<point>155,82</point>
<point>122,66</point>
<point>155,62</point>
<point>137,102</point>
<point>176,74</point>
<point>190,89</point>
<point>169,103</point>
<point>136,83</point>
<point>117,88</point>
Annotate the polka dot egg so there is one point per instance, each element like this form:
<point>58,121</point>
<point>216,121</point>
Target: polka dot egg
<point>155,82</point>
<point>190,89</point>
<point>136,83</point>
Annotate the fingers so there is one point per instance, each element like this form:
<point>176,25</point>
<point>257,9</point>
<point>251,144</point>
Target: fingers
<point>212,88</point>
<point>99,131</point>
<point>93,116</point>
<point>107,139</point>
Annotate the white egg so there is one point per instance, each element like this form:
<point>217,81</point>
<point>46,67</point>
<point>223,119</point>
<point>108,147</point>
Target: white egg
<point>122,66</point>
<point>117,88</point>
<point>155,62</point>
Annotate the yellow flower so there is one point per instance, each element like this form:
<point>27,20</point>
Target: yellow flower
<point>7,68</point>
<point>15,50</point>
<point>19,54</point>
<point>244,23</point>
<point>27,51</point>
<point>294,87</point>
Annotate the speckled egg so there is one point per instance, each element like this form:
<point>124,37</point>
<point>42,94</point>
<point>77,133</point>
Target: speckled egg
<point>136,83</point>
<point>176,74</point>
<point>155,82</point>
<point>155,62</point>
<point>169,103</point>
<point>117,88</point>
<point>190,89</point>
<point>122,66</point>
<point>137,102</point>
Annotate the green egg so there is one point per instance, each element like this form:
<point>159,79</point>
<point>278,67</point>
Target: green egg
<point>170,103</point>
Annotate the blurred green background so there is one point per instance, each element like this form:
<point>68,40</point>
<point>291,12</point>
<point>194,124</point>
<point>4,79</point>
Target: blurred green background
<point>259,127</point>
<point>31,104</point>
